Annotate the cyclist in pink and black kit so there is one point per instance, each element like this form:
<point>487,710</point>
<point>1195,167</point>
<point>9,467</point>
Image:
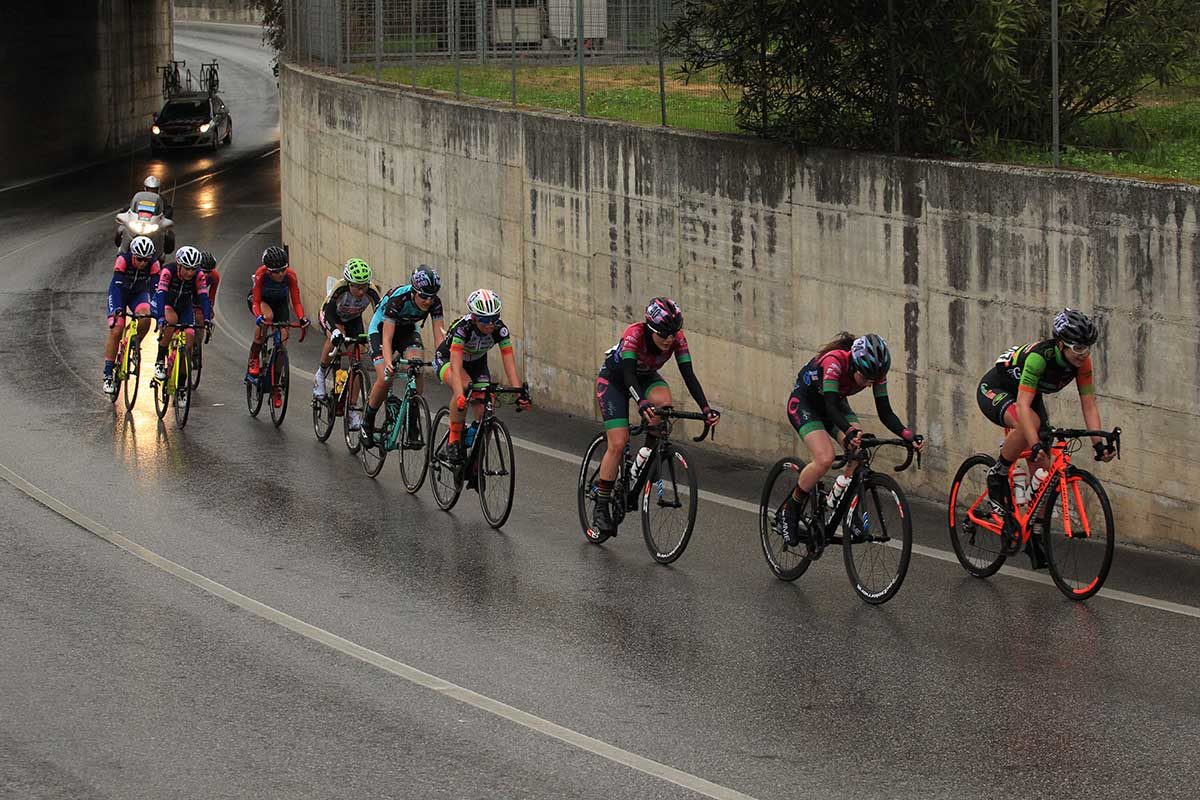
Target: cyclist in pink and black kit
<point>630,371</point>
<point>135,274</point>
<point>818,410</point>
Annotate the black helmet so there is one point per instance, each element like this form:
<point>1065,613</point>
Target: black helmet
<point>870,356</point>
<point>275,258</point>
<point>426,280</point>
<point>1074,327</point>
<point>664,316</point>
<point>207,261</point>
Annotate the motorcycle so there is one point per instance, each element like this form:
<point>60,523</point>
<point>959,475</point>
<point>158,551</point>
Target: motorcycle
<point>145,218</point>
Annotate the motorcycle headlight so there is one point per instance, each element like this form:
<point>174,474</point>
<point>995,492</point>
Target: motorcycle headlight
<point>204,128</point>
<point>155,130</point>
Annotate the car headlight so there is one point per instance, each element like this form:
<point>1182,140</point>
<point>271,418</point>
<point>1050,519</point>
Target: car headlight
<point>155,130</point>
<point>204,128</point>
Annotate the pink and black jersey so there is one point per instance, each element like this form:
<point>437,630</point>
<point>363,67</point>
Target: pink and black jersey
<point>831,372</point>
<point>130,274</point>
<point>638,345</point>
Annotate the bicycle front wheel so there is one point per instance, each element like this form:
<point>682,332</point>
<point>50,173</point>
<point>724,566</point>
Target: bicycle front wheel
<point>162,398</point>
<point>324,412</point>
<point>589,473</point>
<point>281,379</point>
<point>353,408</point>
<point>979,548</point>
<point>787,563</point>
<point>444,479</point>
<point>374,457</point>
<point>133,366</point>
<point>254,394</point>
<point>497,472</point>
<point>1079,539</point>
<point>183,396</point>
<point>669,505</point>
<point>196,361</point>
<point>877,539</point>
<point>414,447</point>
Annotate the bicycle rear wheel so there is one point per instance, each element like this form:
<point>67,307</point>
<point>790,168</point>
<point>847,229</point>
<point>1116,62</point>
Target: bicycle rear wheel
<point>589,473</point>
<point>196,360</point>
<point>444,479</point>
<point>877,539</point>
<point>497,472</point>
<point>325,411</point>
<point>281,379</point>
<point>183,395</point>
<point>414,455</point>
<point>133,366</point>
<point>787,563</point>
<point>1079,542</point>
<point>669,505</point>
<point>979,550</point>
<point>353,408</point>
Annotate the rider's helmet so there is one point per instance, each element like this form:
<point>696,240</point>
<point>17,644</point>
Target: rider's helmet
<point>188,256</point>
<point>1073,327</point>
<point>142,247</point>
<point>275,258</point>
<point>207,261</point>
<point>151,184</point>
<point>664,316</point>
<point>426,280</point>
<point>484,305</point>
<point>357,272</point>
<point>869,355</point>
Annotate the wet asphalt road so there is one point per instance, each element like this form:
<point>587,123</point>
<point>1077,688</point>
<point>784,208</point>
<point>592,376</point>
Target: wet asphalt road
<point>119,680</point>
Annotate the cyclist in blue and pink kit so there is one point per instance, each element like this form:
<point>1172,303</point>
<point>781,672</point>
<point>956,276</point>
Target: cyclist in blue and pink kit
<point>182,287</point>
<point>134,275</point>
<point>630,371</point>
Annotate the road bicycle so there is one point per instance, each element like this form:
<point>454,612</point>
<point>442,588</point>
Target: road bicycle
<point>174,391</point>
<point>210,80</point>
<point>127,368</point>
<point>872,513</point>
<point>489,467</point>
<point>405,427</point>
<point>345,393</point>
<point>275,374</point>
<point>171,83</point>
<point>665,489</point>
<point>1070,508</point>
<point>197,356</point>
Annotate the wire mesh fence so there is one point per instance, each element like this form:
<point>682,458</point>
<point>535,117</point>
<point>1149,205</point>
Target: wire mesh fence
<point>597,58</point>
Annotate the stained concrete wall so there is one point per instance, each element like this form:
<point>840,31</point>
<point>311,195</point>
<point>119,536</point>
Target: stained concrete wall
<point>77,81</point>
<point>217,11</point>
<point>770,251</point>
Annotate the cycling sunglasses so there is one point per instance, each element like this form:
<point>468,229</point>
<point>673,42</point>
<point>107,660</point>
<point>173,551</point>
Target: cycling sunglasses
<point>1080,349</point>
<point>488,320</point>
<point>425,295</point>
<point>278,269</point>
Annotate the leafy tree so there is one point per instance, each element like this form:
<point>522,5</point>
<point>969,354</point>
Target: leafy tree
<point>943,74</point>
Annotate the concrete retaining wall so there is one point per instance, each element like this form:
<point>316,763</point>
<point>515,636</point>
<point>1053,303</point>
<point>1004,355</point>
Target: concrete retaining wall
<point>217,11</point>
<point>78,81</point>
<point>770,251</point>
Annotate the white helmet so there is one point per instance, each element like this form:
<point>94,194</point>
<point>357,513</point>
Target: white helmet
<point>151,184</point>
<point>484,303</point>
<point>142,247</point>
<point>188,256</point>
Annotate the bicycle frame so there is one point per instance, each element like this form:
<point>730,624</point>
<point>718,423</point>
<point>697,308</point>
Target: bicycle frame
<point>849,497</point>
<point>485,393</point>
<point>129,340</point>
<point>632,495</point>
<point>272,344</point>
<point>413,369</point>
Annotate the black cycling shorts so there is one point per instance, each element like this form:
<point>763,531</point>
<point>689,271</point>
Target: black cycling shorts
<point>997,394</point>
<point>808,412</point>
<point>613,396</point>
<point>404,338</point>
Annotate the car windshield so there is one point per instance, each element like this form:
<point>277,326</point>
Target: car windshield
<point>184,109</point>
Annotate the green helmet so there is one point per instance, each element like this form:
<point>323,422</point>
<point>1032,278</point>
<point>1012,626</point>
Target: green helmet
<point>357,271</point>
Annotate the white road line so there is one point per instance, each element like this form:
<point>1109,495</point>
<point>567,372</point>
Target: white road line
<point>752,508</point>
<point>409,673</point>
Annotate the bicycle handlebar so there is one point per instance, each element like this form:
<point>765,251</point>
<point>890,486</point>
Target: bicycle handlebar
<point>493,388</point>
<point>303,328</point>
<point>1112,438</point>
<point>868,441</point>
<point>669,412</point>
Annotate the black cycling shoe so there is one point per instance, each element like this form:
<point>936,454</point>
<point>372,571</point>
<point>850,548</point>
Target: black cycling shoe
<point>602,518</point>
<point>366,432</point>
<point>998,494</point>
<point>789,523</point>
<point>455,453</point>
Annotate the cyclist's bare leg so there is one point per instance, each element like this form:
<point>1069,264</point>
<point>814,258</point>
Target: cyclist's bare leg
<point>143,324</point>
<point>260,333</point>
<point>379,389</point>
<point>820,450</point>
<point>417,352</point>
<point>117,323</point>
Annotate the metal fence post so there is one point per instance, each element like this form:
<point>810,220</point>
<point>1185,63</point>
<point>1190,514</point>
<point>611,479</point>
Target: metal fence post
<point>378,40</point>
<point>455,13</point>
<point>579,48</point>
<point>513,44</point>
<point>662,77</point>
<point>893,76</point>
<point>412,41</point>
<point>1054,77</point>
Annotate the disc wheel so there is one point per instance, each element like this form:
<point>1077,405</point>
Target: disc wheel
<point>787,563</point>
<point>669,505</point>
<point>877,539</point>
<point>496,475</point>
<point>355,406</point>
<point>182,402</point>
<point>1079,543</point>
<point>979,550</point>
<point>444,479</point>
<point>133,367</point>
<point>589,473</point>
<point>324,412</point>
<point>281,379</point>
<point>414,455</point>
